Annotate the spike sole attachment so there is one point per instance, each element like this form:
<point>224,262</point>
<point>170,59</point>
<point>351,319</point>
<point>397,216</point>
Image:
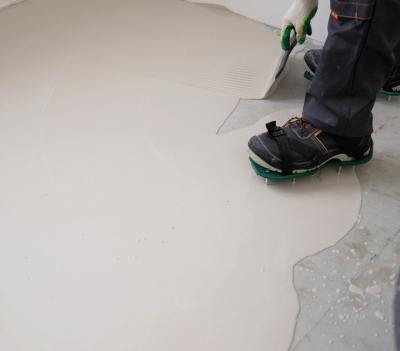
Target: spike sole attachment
<point>271,175</point>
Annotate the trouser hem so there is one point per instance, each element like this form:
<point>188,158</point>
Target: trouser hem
<point>318,122</point>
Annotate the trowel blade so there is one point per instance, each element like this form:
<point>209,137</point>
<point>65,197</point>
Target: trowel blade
<point>280,67</point>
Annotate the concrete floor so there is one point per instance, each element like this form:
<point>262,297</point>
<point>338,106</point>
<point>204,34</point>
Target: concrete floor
<point>346,292</point>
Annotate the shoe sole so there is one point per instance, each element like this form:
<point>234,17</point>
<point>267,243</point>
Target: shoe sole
<point>269,173</point>
<point>310,76</point>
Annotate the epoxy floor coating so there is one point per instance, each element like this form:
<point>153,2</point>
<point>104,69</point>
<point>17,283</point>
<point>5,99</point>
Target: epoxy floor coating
<point>127,223</point>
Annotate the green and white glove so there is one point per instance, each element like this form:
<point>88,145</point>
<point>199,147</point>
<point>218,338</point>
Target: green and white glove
<point>298,18</point>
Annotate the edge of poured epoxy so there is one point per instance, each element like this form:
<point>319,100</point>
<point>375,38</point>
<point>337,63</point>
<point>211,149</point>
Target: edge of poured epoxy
<point>6,3</point>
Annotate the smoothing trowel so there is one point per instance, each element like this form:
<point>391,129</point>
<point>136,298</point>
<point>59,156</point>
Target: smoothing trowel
<point>280,67</point>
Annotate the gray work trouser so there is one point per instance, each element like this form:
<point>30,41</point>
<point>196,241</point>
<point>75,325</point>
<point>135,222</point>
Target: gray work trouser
<point>361,50</point>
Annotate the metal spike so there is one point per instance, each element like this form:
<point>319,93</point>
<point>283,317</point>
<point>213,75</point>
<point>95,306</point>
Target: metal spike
<point>294,181</point>
<point>389,98</point>
<point>339,170</point>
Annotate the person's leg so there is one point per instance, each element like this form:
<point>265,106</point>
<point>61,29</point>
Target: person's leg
<point>357,58</point>
<point>336,126</point>
<point>392,86</point>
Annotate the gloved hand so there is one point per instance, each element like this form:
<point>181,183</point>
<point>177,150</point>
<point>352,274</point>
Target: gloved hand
<point>298,18</point>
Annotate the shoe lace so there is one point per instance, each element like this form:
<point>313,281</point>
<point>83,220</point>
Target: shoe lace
<point>302,123</point>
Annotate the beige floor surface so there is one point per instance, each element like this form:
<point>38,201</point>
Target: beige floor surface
<point>126,222</point>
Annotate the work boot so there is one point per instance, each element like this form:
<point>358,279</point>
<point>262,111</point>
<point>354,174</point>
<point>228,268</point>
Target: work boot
<point>299,149</point>
<point>391,87</point>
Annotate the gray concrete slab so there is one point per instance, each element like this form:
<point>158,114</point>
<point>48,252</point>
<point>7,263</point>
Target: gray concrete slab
<point>346,292</point>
